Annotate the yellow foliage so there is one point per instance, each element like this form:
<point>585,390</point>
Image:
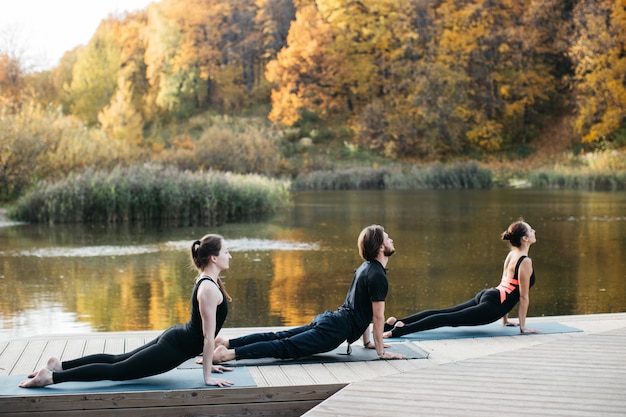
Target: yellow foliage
<point>600,72</point>
<point>301,69</point>
<point>120,120</point>
<point>487,135</point>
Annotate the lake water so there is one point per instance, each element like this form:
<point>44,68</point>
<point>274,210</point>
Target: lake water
<point>284,271</point>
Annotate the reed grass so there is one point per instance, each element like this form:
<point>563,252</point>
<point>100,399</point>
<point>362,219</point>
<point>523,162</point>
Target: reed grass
<point>346,179</point>
<point>576,180</point>
<point>466,175</point>
<point>149,193</point>
<point>460,175</point>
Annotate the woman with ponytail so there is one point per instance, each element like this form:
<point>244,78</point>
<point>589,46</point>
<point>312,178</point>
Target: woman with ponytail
<point>489,304</point>
<point>177,344</point>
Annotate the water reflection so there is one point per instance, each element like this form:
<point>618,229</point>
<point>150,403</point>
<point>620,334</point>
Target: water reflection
<point>236,245</point>
<point>68,278</point>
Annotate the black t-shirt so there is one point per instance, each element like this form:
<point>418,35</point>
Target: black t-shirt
<point>369,284</point>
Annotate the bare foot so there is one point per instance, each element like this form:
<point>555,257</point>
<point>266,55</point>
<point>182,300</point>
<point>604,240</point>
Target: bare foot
<point>392,321</point>
<point>53,365</point>
<point>220,341</point>
<point>222,354</point>
<point>41,379</point>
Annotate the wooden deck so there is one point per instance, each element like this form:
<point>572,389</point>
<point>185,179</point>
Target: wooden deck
<point>568,374</point>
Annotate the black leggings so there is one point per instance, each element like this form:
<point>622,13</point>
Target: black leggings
<point>484,308</point>
<point>158,356</point>
<point>325,333</point>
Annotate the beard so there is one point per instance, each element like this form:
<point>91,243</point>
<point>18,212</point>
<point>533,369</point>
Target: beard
<point>389,251</point>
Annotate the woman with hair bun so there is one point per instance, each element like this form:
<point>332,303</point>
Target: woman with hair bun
<point>489,304</point>
<point>180,342</point>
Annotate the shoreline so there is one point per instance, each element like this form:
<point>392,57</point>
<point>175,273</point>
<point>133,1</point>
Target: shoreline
<point>4,220</point>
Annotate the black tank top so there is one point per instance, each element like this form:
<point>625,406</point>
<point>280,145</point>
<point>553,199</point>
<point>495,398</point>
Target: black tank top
<point>194,326</point>
<point>509,288</point>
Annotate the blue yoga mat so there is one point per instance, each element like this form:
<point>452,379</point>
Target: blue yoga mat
<point>176,379</point>
<point>487,330</point>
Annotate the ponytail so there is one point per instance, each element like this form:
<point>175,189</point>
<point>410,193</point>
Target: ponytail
<point>220,283</point>
<point>201,252</point>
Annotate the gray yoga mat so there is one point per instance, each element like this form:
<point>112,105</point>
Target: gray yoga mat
<point>359,354</point>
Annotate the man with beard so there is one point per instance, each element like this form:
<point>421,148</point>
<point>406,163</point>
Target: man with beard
<point>365,303</point>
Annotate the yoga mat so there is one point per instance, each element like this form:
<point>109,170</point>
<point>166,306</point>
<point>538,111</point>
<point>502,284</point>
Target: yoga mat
<point>176,379</point>
<point>359,354</point>
<point>487,330</point>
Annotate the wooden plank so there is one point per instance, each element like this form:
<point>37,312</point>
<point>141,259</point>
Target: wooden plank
<point>179,398</point>
<point>74,348</point>
<point>114,345</point>
<point>320,374</point>
<point>3,346</point>
<point>342,372</point>
<point>258,376</point>
<point>30,355</point>
<point>562,377</point>
<point>284,409</point>
<point>275,375</point>
<point>10,355</point>
<point>577,374</point>
<point>53,348</point>
<point>132,343</point>
<point>297,375</point>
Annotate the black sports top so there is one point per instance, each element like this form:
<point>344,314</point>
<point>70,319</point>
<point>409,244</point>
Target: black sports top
<point>509,287</point>
<point>194,325</point>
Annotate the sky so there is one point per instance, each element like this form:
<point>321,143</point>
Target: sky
<point>41,31</point>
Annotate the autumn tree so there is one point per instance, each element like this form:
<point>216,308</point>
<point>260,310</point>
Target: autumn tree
<point>389,122</point>
<point>11,82</point>
<point>485,75</point>
<point>304,71</point>
<point>129,34</point>
<point>600,68</point>
<point>273,20</point>
<point>338,58</point>
<point>120,119</point>
<point>13,68</point>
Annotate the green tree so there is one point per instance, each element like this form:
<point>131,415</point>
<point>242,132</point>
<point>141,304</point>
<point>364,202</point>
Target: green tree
<point>95,74</point>
<point>190,43</point>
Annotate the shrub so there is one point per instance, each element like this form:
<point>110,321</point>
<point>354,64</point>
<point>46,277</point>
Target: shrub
<point>436,176</point>
<point>145,193</point>
<point>578,180</point>
<point>228,147</point>
<point>347,179</point>
<point>38,144</point>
